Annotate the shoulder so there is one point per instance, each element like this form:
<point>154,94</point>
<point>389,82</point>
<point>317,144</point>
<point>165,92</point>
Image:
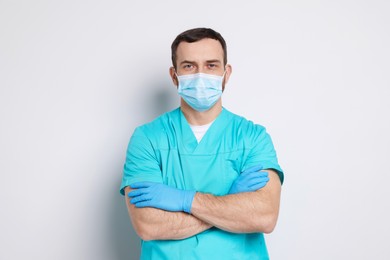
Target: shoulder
<point>245,127</point>
<point>157,127</point>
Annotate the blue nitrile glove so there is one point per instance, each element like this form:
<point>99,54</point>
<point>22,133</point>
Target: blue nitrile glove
<point>161,196</point>
<point>251,179</point>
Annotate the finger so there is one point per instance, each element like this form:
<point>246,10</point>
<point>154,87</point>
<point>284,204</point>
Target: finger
<point>144,204</point>
<point>258,186</point>
<point>254,181</point>
<point>247,173</point>
<point>135,193</point>
<point>255,175</point>
<point>264,173</point>
<point>244,177</point>
<point>252,175</point>
<point>141,184</point>
<point>255,168</point>
<point>144,197</point>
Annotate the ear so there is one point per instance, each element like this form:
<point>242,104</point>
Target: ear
<point>173,76</point>
<point>227,75</point>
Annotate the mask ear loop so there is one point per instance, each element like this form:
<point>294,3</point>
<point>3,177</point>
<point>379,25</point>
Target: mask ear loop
<point>224,72</point>
<point>223,79</point>
<point>177,77</point>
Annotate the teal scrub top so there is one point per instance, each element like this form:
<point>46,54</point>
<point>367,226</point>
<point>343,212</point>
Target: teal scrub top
<point>166,151</point>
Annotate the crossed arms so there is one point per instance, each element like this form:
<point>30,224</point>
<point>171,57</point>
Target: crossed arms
<point>243,212</point>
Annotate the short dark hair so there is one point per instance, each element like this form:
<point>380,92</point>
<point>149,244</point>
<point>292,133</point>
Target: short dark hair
<point>197,34</point>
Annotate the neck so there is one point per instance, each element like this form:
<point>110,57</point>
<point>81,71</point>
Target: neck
<point>201,118</point>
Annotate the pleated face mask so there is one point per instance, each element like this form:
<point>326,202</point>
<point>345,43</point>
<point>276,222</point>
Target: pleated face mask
<point>200,91</point>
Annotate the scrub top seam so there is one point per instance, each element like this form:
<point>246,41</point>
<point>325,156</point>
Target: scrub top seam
<point>203,154</point>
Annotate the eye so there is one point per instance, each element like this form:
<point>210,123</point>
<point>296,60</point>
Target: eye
<point>212,66</point>
<point>188,66</point>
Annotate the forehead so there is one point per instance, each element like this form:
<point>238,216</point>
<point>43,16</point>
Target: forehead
<point>205,49</point>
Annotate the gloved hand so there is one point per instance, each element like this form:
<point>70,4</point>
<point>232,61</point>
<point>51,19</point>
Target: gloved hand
<point>161,196</point>
<point>251,179</point>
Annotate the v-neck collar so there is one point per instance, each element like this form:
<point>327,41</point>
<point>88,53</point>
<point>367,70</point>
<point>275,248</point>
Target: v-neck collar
<point>210,138</point>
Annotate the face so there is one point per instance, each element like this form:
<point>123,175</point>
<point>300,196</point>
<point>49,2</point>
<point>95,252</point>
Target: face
<point>204,56</point>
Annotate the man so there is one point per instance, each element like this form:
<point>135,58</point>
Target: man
<point>200,181</point>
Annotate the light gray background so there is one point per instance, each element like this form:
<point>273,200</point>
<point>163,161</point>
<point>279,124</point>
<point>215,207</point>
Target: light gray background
<point>76,78</point>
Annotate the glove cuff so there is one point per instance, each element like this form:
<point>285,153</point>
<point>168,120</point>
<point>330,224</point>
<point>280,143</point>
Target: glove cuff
<point>188,198</point>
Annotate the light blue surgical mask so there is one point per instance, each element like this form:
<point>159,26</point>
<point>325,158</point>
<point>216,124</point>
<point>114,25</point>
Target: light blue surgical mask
<point>200,91</point>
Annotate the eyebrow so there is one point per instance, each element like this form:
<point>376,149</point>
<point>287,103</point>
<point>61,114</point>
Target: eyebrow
<point>208,61</point>
<point>214,61</point>
<point>187,61</point>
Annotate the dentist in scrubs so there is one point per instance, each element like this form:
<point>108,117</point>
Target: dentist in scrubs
<point>201,182</point>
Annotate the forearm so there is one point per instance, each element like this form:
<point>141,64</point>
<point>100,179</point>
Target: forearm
<point>241,213</point>
<point>231,214</point>
<point>156,224</point>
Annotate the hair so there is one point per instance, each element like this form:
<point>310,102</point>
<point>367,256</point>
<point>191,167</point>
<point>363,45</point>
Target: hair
<point>197,34</point>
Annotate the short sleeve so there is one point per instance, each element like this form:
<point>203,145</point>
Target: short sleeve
<point>141,162</point>
<point>263,153</point>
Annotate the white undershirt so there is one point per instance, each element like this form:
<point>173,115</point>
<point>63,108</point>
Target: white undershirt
<point>200,130</point>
